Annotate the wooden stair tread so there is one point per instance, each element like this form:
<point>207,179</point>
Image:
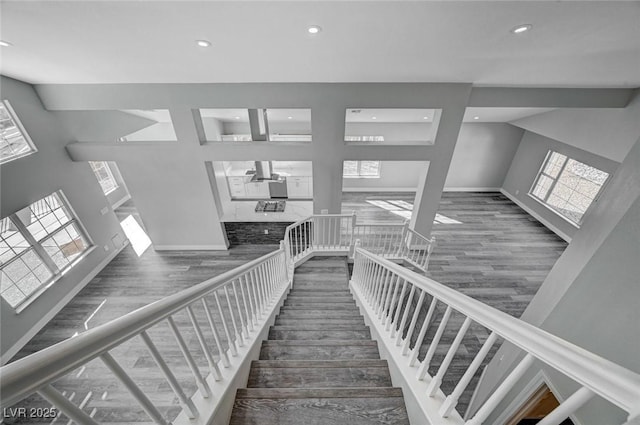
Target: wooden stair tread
<point>273,364</point>
<point>319,365</point>
<point>293,393</point>
<point>329,411</point>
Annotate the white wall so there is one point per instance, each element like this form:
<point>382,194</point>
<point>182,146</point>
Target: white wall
<point>31,178</point>
<point>100,126</point>
<point>590,295</point>
<point>394,175</point>
<point>482,155</point>
<point>609,133</point>
<point>481,159</point>
<point>524,169</point>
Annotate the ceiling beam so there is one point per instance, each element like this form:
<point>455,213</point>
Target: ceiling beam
<point>515,97</point>
<point>75,97</point>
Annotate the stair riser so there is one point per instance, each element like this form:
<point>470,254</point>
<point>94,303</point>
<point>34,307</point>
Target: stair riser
<point>318,377</point>
<point>319,335</point>
<point>318,353</point>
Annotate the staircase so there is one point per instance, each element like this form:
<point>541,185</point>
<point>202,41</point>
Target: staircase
<point>319,365</point>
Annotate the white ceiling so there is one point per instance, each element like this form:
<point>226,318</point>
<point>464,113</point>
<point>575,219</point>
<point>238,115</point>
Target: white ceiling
<point>572,43</point>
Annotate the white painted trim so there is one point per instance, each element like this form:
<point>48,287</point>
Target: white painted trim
<point>119,203</point>
<point>18,345</point>
<point>413,189</point>
<point>217,409</point>
<point>537,216</point>
<point>378,189</point>
<point>471,189</point>
<point>190,247</point>
<point>420,408</point>
<point>523,396</point>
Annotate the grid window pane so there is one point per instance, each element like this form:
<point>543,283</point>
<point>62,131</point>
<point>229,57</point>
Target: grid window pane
<point>36,244</point>
<point>13,143</point>
<point>369,168</point>
<point>361,169</point>
<point>574,185</point>
<point>350,168</point>
<point>13,295</point>
<point>105,176</point>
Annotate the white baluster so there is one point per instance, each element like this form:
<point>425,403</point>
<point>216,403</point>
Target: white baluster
<point>397,304</point>
<point>133,388</point>
<point>435,383</point>
<point>186,403</point>
<point>200,382</point>
<point>389,316</point>
<point>71,410</point>
<point>385,295</point>
<point>407,307</point>
<point>452,400</point>
<point>424,367</point>
<point>503,389</point>
<point>247,307</point>
<point>225,327</point>
<point>213,366</point>
<point>243,324</point>
<point>216,335</point>
<point>237,334</point>
<point>393,284</point>
<point>423,331</point>
<point>412,325</point>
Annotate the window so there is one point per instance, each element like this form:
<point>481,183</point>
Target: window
<point>567,186</point>
<point>15,142</point>
<point>364,138</point>
<point>37,245</point>
<point>359,169</point>
<point>105,176</point>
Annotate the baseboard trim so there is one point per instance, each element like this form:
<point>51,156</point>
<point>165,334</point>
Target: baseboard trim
<point>471,189</point>
<point>413,189</point>
<point>537,216</point>
<point>190,247</point>
<point>379,189</point>
<point>18,345</point>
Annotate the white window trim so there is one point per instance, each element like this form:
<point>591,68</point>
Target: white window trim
<point>57,273</point>
<point>359,165</point>
<point>555,180</point>
<point>110,173</point>
<point>23,132</point>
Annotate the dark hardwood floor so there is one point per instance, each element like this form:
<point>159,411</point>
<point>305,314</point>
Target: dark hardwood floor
<point>487,247</point>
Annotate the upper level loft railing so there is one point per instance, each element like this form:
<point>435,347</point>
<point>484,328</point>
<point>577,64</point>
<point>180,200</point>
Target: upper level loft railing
<point>393,298</point>
<point>330,234</point>
<point>227,314</point>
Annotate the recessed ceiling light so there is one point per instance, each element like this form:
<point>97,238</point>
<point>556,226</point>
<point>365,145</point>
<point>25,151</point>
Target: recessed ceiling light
<point>203,43</point>
<point>374,118</point>
<point>425,118</point>
<point>289,118</point>
<point>521,28</point>
<point>314,29</point>
<point>237,118</point>
<point>476,118</point>
<point>5,43</point>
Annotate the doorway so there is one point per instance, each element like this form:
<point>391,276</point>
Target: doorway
<point>537,407</point>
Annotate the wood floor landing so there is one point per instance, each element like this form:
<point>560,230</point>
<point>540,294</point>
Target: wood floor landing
<point>319,365</point>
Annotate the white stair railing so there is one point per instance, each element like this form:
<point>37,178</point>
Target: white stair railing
<point>334,234</point>
<point>392,298</point>
<point>238,306</point>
